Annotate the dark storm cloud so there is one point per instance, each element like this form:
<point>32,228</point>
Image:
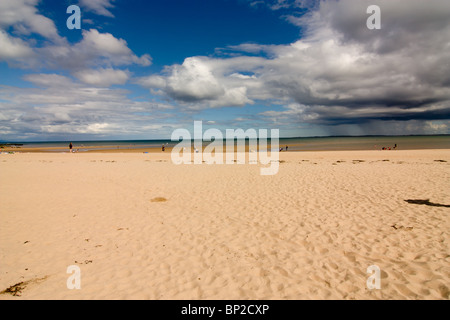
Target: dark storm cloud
<point>339,72</point>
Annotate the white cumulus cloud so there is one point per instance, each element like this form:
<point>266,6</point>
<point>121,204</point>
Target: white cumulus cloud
<point>24,17</point>
<point>13,48</point>
<point>100,7</point>
<point>102,77</point>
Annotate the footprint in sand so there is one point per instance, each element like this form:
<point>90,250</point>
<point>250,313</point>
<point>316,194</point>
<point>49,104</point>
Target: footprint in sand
<point>159,199</point>
<point>396,227</point>
<point>85,262</point>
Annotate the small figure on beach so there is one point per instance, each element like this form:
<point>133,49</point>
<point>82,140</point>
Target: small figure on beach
<point>286,148</point>
<point>70,147</point>
<point>163,148</point>
<point>395,146</point>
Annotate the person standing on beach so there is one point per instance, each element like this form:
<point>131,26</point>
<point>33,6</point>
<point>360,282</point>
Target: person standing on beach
<point>70,147</point>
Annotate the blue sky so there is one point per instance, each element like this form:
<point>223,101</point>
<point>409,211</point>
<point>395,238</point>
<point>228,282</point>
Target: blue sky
<point>141,69</point>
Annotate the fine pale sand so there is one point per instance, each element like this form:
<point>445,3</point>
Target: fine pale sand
<point>140,227</point>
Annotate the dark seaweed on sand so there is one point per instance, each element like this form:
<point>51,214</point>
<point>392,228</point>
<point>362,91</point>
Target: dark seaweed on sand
<point>15,290</point>
<point>427,203</point>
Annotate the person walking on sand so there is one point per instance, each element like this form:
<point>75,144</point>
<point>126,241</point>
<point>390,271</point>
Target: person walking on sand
<point>70,147</point>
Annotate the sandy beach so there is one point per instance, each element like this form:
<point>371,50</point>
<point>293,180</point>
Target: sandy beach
<point>139,227</point>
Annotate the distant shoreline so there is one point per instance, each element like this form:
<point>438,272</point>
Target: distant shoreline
<point>417,142</point>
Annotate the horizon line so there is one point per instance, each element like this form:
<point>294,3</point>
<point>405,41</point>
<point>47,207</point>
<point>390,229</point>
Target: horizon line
<point>160,139</point>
